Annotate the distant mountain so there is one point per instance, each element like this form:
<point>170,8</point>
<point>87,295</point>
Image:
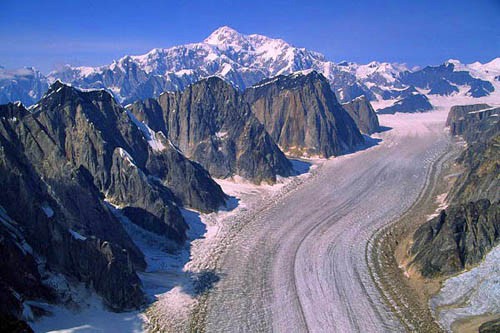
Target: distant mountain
<point>446,80</point>
<point>26,85</point>
<point>211,123</point>
<point>243,60</point>
<point>240,59</point>
<point>396,83</point>
<point>302,115</point>
<point>411,103</point>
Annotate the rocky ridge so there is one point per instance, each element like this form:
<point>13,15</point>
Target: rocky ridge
<point>211,123</point>
<point>464,232</point>
<point>59,161</point>
<point>363,115</point>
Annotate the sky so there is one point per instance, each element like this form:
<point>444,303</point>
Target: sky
<point>49,34</point>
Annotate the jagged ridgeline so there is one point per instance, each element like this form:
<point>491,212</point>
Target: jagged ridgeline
<point>302,114</point>
<point>62,164</point>
<point>464,233</point>
<point>211,123</point>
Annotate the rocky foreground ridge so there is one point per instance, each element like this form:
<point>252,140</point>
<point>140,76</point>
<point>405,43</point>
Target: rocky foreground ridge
<point>363,115</point>
<point>464,232</point>
<point>77,169</point>
<point>62,164</point>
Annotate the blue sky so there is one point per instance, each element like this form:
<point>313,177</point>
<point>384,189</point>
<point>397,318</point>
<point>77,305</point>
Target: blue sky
<point>47,34</point>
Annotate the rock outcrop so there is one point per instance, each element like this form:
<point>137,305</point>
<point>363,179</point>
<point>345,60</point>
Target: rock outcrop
<point>462,234</point>
<point>210,123</point>
<point>12,324</point>
<point>363,115</point>
<point>458,238</point>
<point>303,116</point>
<point>481,175</point>
<point>53,221</point>
<point>96,133</point>
<point>458,112</point>
<point>476,122</point>
<point>492,326</point>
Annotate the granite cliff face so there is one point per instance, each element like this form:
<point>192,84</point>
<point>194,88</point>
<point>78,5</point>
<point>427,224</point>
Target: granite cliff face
<point>211,124</point>
<point>463,233</point>
<point>303,116</point>
<point>59,161</point>
<point>457,114</point>
<point>363,115</point>
<point>54,223</point>
<point>481,177</point>
<point>458,238</point>
<point>476,122</point>
<point>480,127</point>
<point>95,133</point>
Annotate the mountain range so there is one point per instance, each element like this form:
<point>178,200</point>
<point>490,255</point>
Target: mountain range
<point>104,152</point>
<point>79,171</point>
<point>244,60</point>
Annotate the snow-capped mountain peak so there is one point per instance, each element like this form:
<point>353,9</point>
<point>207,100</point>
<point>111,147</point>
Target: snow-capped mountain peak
<point>226,36</point>
<point>389,71</point>
<point>245,60</point>
<point>454,62</point>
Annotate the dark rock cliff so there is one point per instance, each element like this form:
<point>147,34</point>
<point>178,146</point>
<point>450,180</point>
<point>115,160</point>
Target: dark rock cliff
<point>211,124</point>
<point>58,162</point>
<point>462,234</point>
<point>59,225</point>
<point>303,116</point>
<point>474,122</point>
<point>459,237</point>
<point>492,326</point>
